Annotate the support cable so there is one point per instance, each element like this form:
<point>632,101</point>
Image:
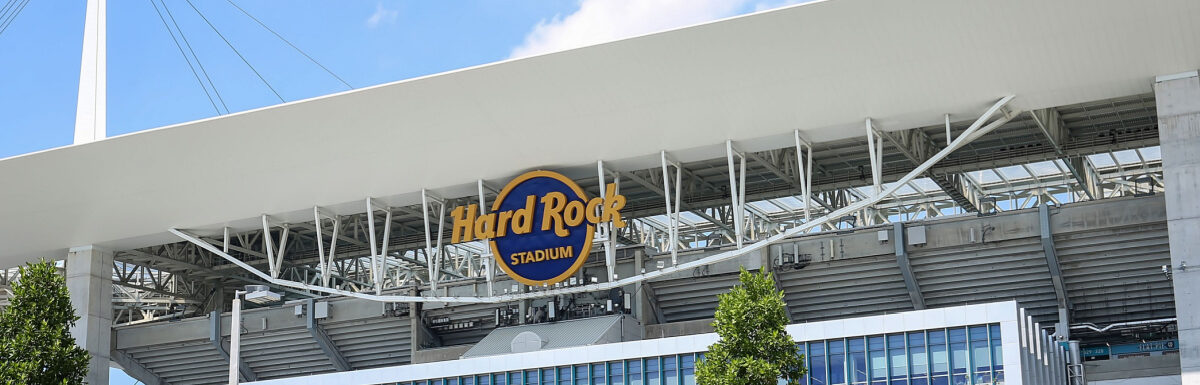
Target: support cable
<point>7,6</point>
<point>13,16</point>
<point>185,58</point>
<point>310,58</point>
<point>239,54</point>
<point>193,51</point>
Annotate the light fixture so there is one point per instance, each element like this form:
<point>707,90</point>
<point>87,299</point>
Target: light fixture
<point>261,295</point>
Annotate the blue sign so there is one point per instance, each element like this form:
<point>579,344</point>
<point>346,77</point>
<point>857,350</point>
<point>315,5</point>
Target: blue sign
<point>541,226</point>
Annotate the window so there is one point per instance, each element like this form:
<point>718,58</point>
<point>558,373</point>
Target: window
<point>651,366</point>
<point>938,357</point>
<point>564,375</point>
<point>918,357</point>
<point>858,360</point>
<point>531,377</point>
<point>483,380</point>
<point>837,361</point>
<point>616,373</point>
<point>897,359</point>
<point>981,354</point>
<point>877,358</point>
<point>598,374</point>
<point>635,371</point>
<point>500,379</point>
<point>452,381</point>
<point>817,364</point>
<point>468,380</point>
<point>581,375</point>
<point>435,382</point>
<point>997,350</point>
<point>670,371</point>
<point>515,378</point>
<point>958,356</point>
<point>687,369</point>
<point>547,376</point>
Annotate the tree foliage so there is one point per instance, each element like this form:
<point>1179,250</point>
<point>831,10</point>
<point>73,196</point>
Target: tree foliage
<point>35,342</point>
<point>754,348</point>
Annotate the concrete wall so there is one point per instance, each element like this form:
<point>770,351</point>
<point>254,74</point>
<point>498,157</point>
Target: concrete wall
<point>1133,370</point>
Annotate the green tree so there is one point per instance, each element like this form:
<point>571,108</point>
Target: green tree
<point>754,348</point>
<point>35,344</point>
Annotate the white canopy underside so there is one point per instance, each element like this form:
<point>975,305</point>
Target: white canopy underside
<point>821,68</point>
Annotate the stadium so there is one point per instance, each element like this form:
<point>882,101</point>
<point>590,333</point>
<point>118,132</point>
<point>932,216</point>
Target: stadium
<point>948,192</point>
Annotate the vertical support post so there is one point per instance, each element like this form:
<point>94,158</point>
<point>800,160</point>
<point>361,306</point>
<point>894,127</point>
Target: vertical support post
<point>805,171</point>
<point>89,282</point>
<point>737,191</point>
<point>610,242</point>
<point>875,146</point>
<point>1178,101</point>
<point>433,252</point>
<point>326,259</point>
<point>672,210</point>
<point>489,258</point>
<point>948,137</point>
<point>92,105</point>
<point>235,338</point>
<point>378,249</point>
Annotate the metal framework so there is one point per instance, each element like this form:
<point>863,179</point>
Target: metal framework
<point>784,189</point>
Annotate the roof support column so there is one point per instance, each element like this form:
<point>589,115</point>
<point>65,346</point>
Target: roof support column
<point>1178,99</point>
<point>89,281</point>
<point>1062,329</point>
<point>910,280</point>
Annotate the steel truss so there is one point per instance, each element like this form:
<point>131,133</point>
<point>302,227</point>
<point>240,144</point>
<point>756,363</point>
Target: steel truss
<point>783,189</point>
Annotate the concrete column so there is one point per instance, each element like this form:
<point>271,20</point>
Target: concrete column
<point>1178,100</point>
<point>89,279</point>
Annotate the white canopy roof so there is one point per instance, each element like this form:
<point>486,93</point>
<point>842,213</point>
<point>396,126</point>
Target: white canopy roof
<point>820,67</point>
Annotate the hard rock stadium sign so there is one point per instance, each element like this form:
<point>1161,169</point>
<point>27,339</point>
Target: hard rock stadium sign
<point>540,227</point>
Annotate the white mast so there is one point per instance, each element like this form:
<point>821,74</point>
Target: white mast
<point>90,111</point>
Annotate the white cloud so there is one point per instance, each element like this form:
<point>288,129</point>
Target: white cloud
<point>600,21</point>
<point>382,15</point>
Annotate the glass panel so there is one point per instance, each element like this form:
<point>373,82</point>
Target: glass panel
<point>452,381</point>
<point>515,378</point>
<point>878,359</point>
<point>598,374</point>
<point>916,354</point>
<point>501,379</point>
<point>547,376</point>
<point>816,364</point>
<point>981,353</point>
<point>581,374</point>
<point>616,373</point>
<point>670,371</point>
<point>837,362</point>
<point>651,373</point>
<point>858,360</point>
<point>897,359</point>
<point>687,369</point>
<point>531,377</point>
<point>468,380</point>
<point>635,371</point>
<point>937,352</point>
<point>958,350</point>
<point>564,375</point>
<point>997,349</point>
<point>483,380</point>
<point>435,382</point>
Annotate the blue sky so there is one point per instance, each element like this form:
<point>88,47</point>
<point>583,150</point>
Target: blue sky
<point>365,42</point>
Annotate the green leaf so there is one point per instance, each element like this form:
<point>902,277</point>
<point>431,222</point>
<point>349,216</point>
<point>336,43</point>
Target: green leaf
<point>36,346</point>
<point>754,346</point>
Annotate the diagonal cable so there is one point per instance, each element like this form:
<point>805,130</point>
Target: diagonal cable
<point>239,54</point>
<point>198,62</point>
<point>310,58</point>
<point>13,16</point>
<point>7,6</point>
<point>185,57</point>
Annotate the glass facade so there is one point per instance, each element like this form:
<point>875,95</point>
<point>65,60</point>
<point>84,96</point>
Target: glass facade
<point>960,355</point>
